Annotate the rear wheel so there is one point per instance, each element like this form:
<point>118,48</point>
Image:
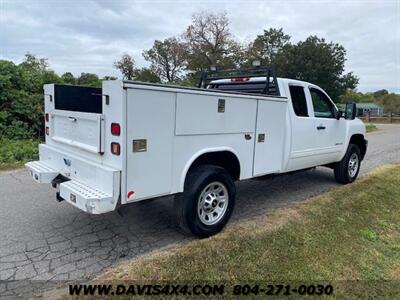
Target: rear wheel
<point>346,171</point>
<point>207,201</point>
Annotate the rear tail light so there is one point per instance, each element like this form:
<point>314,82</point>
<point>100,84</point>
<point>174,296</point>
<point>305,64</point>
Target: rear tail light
<point>115,148</point>
<point>46,117</point>
<point>115,129</point>
<point>47,130</point>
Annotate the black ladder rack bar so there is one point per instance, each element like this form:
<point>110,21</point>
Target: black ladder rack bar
<point>271,88</point>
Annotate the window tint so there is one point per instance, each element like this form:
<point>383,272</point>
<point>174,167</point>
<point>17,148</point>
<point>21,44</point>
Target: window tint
<point>323,108</point>
<point>299,101</point>
<point>78,98</point>
<point>247,87</point>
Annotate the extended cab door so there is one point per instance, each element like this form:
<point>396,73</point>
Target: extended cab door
<point>330,132</point>
<point>301,127</point>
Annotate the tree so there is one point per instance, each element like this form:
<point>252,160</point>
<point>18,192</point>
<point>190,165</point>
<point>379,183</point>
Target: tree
<point>10,84</point>
<point>21,106</point>
<point>319,62</point>
<point>209,42</point>
<point>353,96</point>
<point>380,93</point>
<point>35,73</point>
<point>68,78</point>
<point>126,65</point>
<point>167,59</point>
<point>109,78</point>
<point>34,63</point>
<point>146,75</point>
<point>267,46</point>
<point>89,79</point>
<point>390,102</point>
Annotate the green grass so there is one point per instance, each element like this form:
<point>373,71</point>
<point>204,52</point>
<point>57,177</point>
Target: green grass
<point>14,153</point>
<point>349,237</point>
<point>371,127</point>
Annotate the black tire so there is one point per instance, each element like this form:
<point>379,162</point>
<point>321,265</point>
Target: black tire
<point>342,169</point>
<point>186,203</point>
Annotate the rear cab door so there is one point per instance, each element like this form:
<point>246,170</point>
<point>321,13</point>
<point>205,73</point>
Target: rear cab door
<point>302,129</point>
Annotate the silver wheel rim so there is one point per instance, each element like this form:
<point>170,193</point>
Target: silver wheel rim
<point>213,202</point>
<point>353,165</point>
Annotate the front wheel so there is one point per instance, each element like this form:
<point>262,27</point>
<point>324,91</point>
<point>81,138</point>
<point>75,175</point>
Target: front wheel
<point>207,201</point>
<point>346,171</point>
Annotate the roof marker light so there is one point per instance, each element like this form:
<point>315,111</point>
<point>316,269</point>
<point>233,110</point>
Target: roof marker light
<point>256,63</point>
<point>240,79</point>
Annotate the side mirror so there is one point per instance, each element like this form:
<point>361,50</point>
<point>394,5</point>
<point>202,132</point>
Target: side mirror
<point>351,110</point>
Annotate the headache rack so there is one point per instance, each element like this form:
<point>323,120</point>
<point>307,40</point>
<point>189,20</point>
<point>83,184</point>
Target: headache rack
<point>240,80</point>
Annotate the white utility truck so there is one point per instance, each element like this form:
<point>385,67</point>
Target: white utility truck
<point>131,141</point>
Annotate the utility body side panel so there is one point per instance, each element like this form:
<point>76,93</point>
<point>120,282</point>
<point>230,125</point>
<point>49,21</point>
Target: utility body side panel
<point>270,137</point>
<point>184,125</point>
<point>150,117</point>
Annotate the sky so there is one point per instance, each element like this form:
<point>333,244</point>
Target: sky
<point>89,35</point>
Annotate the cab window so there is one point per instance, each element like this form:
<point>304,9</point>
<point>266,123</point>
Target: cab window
<point>323,107</point>
<point>299,101</point>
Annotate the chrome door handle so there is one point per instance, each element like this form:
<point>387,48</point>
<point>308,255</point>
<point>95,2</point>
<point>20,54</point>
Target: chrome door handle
<point>72,119</point>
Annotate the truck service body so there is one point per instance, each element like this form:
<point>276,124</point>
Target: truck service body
<point>131,141</point>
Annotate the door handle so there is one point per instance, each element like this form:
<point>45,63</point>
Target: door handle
<point>321,127</point>
<point>72,119</point>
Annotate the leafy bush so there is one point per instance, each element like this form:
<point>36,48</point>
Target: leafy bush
<point>21,95</point>
<point>13,152</point>
<point>371,127</point>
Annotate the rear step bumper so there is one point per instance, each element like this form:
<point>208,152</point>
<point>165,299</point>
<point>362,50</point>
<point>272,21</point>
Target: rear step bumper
<point>85,197</point>
<point>95,194</point>
<point>41,172</point>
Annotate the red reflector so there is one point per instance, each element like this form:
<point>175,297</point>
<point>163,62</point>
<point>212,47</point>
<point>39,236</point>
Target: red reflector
<point>47,130</point>
<point>130,194</point>
<point>46,117</point>
<point>240,79</point>
<point>115,129</point>
<point>115,148</point>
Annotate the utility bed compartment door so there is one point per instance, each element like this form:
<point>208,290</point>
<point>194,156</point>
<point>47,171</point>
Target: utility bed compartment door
<point>151,125</point>
<point>204,114</point>
<point>78,129</point>
<point>270,137</point>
